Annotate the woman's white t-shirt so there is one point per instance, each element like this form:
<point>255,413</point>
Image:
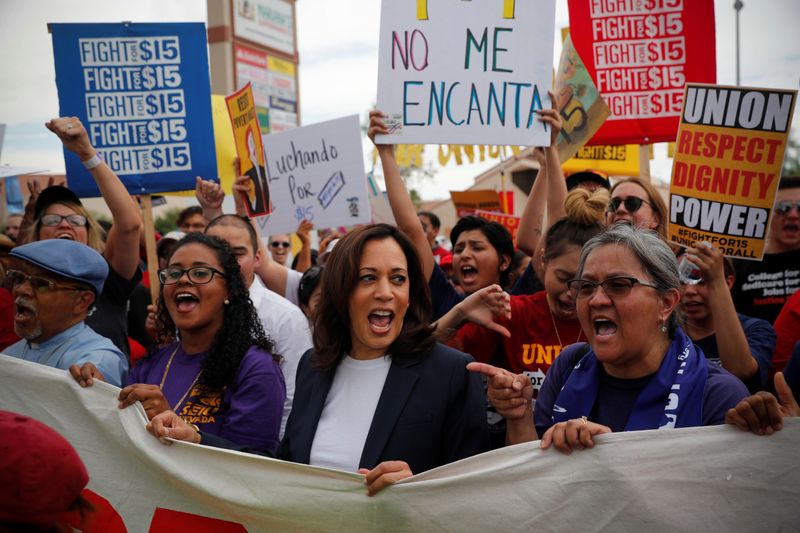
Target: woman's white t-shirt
<point>348,412</point>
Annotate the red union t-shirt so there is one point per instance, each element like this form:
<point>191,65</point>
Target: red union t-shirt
<point>534,343</point>
<point>640,54</point>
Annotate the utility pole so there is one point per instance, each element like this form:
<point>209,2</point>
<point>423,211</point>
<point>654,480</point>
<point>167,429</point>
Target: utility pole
<point>737,5</point>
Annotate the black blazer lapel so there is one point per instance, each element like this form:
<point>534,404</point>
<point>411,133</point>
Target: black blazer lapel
<point>399,384</point>
<point>313,411</point>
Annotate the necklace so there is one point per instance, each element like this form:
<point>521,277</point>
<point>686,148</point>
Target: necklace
<point>555,327</point>
<point>164,378</point>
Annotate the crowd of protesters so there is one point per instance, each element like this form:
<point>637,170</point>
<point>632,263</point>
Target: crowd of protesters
<point>383,352</point>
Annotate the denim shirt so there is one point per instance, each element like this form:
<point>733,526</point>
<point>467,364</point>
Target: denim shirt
<point>75,345</point>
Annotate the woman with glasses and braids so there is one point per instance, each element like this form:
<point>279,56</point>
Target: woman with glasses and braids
<point>639,369</point>
<point>636,201</point>
<point>220,374</point>
<point>57,213</point>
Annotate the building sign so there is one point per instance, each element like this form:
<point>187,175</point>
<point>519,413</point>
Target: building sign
<point>267,23</point>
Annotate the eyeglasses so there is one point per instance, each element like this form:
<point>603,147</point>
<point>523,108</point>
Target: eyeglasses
<point>281,244</point>
<point>198,275</point>
<point>632,203</point>
<point>40,284</point>
<point>74,220</point>
<point>783,208</point>
<point>616,287</point>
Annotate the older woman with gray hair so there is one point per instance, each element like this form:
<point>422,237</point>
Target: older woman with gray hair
<point>639,369</point>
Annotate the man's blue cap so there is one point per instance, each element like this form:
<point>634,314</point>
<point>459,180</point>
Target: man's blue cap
<point>66,258</point>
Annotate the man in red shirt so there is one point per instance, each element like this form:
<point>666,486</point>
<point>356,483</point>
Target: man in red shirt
<point>431,225</point>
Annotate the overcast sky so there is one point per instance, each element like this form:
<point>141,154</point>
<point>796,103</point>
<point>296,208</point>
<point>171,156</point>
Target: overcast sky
<point>338,45</point>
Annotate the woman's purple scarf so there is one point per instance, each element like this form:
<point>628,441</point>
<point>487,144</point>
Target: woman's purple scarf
<point>672,398</point>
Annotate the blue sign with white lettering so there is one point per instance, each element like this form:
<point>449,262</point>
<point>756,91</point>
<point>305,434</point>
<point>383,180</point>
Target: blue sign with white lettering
<point>143,93</point>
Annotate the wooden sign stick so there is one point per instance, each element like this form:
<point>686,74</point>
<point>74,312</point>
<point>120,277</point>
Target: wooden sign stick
<point>150,245</point>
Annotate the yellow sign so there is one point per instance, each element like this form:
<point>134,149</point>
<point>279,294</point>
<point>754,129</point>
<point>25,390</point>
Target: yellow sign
<point>247,136</point>
<point>622,160</point>
<point>225,147</point>
<point>727,165</point>
<point>275,64</point>
<point>460,152</point>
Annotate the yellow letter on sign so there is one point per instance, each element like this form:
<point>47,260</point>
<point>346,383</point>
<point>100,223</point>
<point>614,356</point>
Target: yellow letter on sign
<point>422,9</point>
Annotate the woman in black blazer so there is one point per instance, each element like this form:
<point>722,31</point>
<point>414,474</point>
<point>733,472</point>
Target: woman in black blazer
<point>377,394</point>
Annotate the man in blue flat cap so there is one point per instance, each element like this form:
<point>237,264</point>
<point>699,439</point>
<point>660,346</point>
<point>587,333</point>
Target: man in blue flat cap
<point>54,284</point>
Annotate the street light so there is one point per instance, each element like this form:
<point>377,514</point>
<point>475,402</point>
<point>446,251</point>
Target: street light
<point>737,5</point>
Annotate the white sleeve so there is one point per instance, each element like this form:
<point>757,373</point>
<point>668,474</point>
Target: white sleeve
<point>288,328</point>
<point>292,285</point>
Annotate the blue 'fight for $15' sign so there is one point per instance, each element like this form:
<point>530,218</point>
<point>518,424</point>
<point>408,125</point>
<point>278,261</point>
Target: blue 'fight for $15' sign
<point>142,91</point>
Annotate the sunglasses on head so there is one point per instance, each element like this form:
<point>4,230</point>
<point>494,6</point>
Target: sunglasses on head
<point>631,203</point>
<point>783,208</point>
<point>282,244</point>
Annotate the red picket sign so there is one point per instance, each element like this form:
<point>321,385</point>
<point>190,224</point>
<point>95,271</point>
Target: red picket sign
<point>641,54</point>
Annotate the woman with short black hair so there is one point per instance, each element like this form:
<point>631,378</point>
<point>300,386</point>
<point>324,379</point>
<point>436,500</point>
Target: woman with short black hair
<point>377,394</point>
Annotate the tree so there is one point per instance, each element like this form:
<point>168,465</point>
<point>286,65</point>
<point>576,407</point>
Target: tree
<point>167,221</point>
<point>791,159</point>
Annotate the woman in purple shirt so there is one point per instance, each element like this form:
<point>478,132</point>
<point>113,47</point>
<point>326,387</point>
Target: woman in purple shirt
<point>220,375</point>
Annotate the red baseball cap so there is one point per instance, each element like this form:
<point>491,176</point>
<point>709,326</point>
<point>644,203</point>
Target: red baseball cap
<point>41,474</point>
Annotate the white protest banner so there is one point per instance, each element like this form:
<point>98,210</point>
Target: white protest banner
<point>316,172</point>
<point>455,72</point>
<point>696,479</point>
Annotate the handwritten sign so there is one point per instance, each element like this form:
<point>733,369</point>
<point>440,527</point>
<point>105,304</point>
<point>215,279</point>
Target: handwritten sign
<point>640,55</point>
<point>316,172</point>
<point>143,93</point>
<point>727,166</point>
<point>457,72</point>
<point>249,147</point>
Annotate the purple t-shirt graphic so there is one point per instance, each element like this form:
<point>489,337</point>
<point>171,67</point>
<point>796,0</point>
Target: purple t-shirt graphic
<point>248,412</point>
